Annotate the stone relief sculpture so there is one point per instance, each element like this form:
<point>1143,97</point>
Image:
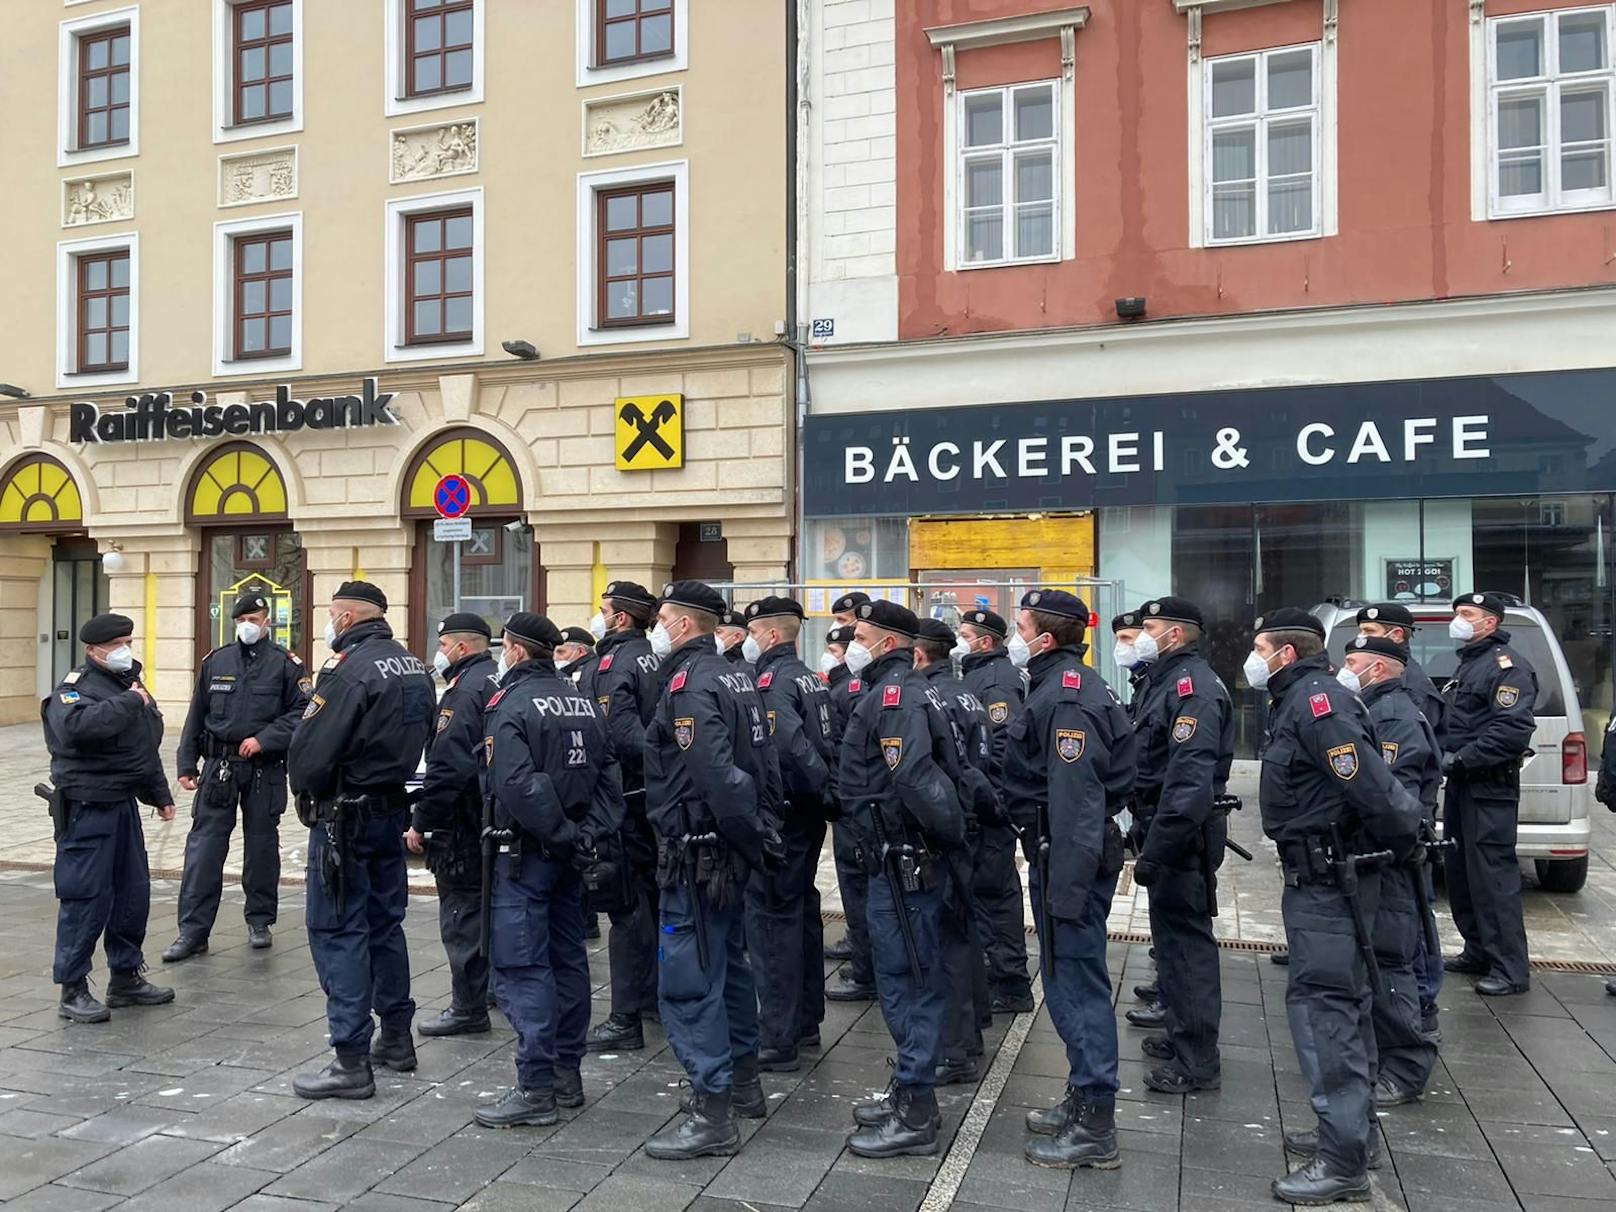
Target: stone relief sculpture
<point>633,123</point>
<point>257,178</point>
<point>437,151</point>
<point>99,201</point>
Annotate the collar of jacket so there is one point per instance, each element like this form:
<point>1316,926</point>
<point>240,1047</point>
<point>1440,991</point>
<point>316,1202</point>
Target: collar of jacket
<point>121,680</point>
<point>978,660</point>
<point>616,639</point>
<point>527,669</point>
<point>1475,648</point>
<point>1165,667</point>
<point>893,663</point>
<point>1282,681</point>
<point>359,632</point>
<point>464,664</point>
<point>771,657</point>
<point>1065,657</point>
<point>1379,690</point>
<point>938,671</point>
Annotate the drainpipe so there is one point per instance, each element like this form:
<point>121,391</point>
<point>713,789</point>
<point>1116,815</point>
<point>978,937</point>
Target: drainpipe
<point>799,107</point>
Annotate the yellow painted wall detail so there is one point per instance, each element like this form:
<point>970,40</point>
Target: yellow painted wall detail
<point>238,484</point>
<point>39,492</point>
<point>492,480</point>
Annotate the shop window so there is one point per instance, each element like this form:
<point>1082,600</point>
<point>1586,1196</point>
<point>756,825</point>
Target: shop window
<point>270,562</point>
<point>1262,146</point>
<point>237,483</point>
<point>39,494</point>
<point>858,549</point>
<point>435,271</point>
<point>635,261</point>
<point>257,68</point>
<point>105,57</point>
<point>1009,174</point>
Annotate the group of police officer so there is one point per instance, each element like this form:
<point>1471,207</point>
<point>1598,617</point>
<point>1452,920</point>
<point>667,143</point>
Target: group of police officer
<point>676,766</point>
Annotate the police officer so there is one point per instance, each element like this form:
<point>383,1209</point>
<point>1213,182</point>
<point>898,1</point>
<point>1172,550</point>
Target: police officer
<point>447,822</point>
<point>1126,628</point>
<point>1395,622</point>
<point>730,638</point>
<point>712,792</point>
<point>360,738</point>
<point>1184,723</point>
<point>576,647</point>
<point>855,981</point>
<point>783,926</point>
<point>1373,666</point>
<point>623,680</point>
<point>1326,798</point>
<point>833,660</point>
<point>1489,729</point>
<point>1068,770</point>
<point>102,730</point>
<point>553,787</point>
<point>898,779</point>
<point>1001,918</point>
<point>249,696</point>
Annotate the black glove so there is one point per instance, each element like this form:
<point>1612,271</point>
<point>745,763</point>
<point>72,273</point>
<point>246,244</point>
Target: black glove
<point>774,851</point>
<point>584,855</point>
<point>1145,872</point>
<point>1451,762</point>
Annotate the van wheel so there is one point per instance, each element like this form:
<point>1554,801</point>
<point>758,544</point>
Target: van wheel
<point>1562,875</point>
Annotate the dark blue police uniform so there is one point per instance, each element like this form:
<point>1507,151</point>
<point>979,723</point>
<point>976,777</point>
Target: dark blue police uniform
<point>855,981</point>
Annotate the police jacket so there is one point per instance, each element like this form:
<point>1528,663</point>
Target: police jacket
<point>1138,675</point>
<point>996,682</point>
<point>900,759</point>
<point>1071,752</point>
<point>1184,722</point>
<point>735,656</point>
<point>367,721</point>
<point>1605,785</point>
<point>708,761</point>
<point>244,690</point>
<point>1407,740</point>
<point>103,738</point>
<point>1321,764</point>
<point>551,771</point>
<point>1490,721</point>
<point>1428,699</point>
<point>451,794</point>
<point>842,694</point>
<point>623,680</point>
<point>798,707</point>
<point>973,735</point>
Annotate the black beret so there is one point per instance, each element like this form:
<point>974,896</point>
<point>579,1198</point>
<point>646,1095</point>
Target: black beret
<point>1394,614</point>
<point>1172,610</point>
<point>1492,603</point>
<point>1288,618</point>
<point>533,628</point>
<point>465,621</point>
<point>732,618</point>
<point>1057,602</point>
<point>249,603</point>
<point>936,631</point>
<point>697,595</point>
<point>987,621</point>
<point>839,635</point>
<point>773,608</point>
<point>889,616</point>
<point>1378,645</point>
<point>361,591</point>
<point>106,627</point>
<point>578,635</point>
<point>849,601</point>
<point>1125,622</point>
<point>629,591</point>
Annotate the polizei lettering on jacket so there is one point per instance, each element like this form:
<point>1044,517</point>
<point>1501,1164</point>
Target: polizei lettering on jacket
<point>152,417</point>
<point>572,706</point>
<point>399,666</point>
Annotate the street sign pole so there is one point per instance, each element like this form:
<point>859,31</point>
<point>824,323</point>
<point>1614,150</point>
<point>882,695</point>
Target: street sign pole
<point>452,499</point>
<point>456,558</point>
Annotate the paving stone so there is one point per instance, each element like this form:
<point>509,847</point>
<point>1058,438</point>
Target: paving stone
<point>235,1118</point>
<point>457,1168</point>
<point>345,1171</point>
<point>143,1164</point>
<point>53,1197</point>
<point>1453,1177</point>
<point>840,1192</point>
<point>781,1164</point>
<point>126,1125</point>
<point>287,1143</point>
<point>619,1192</point>
<point>24,1122</point>
<point>275,1203</point>
<point>208,1187</point>
<point>517,1197</point>
<point>605,1140</point>
<point>539,1171</point>
<point>1538,1169</point>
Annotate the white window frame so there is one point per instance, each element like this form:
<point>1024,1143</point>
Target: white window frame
<point>1064,234</point>
<point>224,79</point>
<point>397,209</point>
<point>225,362</point>
<point>676,171</point>
<point>67,310</point>
<point>615,73</point>
<point>394,101</point>
<point>1487,201</point>
<point>67,87</point>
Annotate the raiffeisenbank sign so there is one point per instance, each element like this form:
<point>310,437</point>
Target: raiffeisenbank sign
<point>153,417</point>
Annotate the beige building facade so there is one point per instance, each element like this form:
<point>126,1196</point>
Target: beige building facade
<point>282,273</point>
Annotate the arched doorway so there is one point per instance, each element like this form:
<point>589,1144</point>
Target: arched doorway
<point>237,500</point>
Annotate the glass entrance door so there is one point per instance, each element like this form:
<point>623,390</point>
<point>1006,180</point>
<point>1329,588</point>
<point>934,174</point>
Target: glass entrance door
<point>264,560</point>
<point>78,594</point>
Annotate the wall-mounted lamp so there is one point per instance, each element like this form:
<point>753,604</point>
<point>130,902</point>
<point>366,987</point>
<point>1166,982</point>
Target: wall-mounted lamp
<point>15,392</point>
<point>525,350</point>
<point>113,561</point>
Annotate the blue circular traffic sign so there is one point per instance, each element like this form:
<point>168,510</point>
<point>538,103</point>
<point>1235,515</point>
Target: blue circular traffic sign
<point>452,497</point>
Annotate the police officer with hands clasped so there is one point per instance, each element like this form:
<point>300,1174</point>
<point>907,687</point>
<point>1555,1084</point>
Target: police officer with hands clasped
<point>103,731</point>
<point>553,787</point>
<point>360,738</point>
<point>855,981</point>
<point>447,819</point>
<point>249,697</point>
<point>1336,814</point>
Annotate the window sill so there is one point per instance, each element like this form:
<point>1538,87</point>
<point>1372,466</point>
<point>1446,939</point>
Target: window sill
<point>259,130</point>
<point>1495,216</point>
<point>70,157</point>
<point>1247,241</point>
<point>443,350</point>
<point>401,106</point>
<point>632,69</point>
<point>627,334</point>
<point>257,366</point>
<point>78,380</point>
<point>1018,263</point>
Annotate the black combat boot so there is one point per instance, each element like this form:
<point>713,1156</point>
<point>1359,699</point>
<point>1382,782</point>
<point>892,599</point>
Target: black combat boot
<point>349,1076</point>
<point>183,948</point>
<point>779,1060</point>
<point>960,1072</point>
<point>1158,1047</point>
<point>708,1131</point>
<point>1147,993</point>
<point>259,938</point>
<point>455,1021</point>
<point>619,1033</point>
<point>1314,1184</point>
<point>1089,1139</point>
<point>746,1097</point>
<point>1466,963</point>
<point>133,989</point>
<point>869,1112</point>
<point>1153,1015</point>
<point>79,1005</point>
<point>1050,1122</point>
<point>839,950</point>
<point>843,988</point>
<point>395,1050</point>
<point>1304,1142</point>
<point>1012,1001</point>
<point>912,1127</point>
<point>519,1107</point>
<point>569,1088</point>
<point>1170,1079</point>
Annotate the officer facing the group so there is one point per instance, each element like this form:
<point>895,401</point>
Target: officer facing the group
<point>1184,723</point>
<point>1395,622</point>
<point>103,730</point>
<point>576,646</point>
<point>855,981</point>
<point>900,769</point>
<point>553,787</point>
<point>447,822</point>
<point>712,793</point>
<point>1490,724</point>
<point>249,697</point>
<point>1373,666</point>
<point>623,680</point>
<point>1001,919</point>
<point>1068,770</point>
<point>360,738</point>
<point>1327,799</point>
<point>783,926</point>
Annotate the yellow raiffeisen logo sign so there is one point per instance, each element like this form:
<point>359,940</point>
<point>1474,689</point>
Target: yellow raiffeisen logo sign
<point>650,432</point>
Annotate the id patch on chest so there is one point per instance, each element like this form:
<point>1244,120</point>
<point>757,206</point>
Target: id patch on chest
<point>892,751</point>
<point>1344,761</point>
<point>1070,743</point>
<point>998,712</point>
<point>684,731</point>
<point>1184,728</point>
<point>1507,696</point>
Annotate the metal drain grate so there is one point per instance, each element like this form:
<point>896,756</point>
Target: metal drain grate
<point>1577,966</point>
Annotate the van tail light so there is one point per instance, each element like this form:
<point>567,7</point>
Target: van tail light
<point>1574,759</point>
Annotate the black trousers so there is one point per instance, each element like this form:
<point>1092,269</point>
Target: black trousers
<point>1187,966</point>
<point>1405,1057</point>
<point>786,938</point>
<point>855,888</point>
<point>1001,921</point>
<point>968,1001</point>
<point>460,911</point>
<point>260,792</point>
<point>1484,874</point>
<point>631,945</point>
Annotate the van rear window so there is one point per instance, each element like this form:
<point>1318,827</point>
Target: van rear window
<point>1440,656</point>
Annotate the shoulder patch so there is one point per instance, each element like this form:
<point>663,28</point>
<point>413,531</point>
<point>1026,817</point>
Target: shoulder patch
<point>1505,661</point>
<point>295,659</point>
<point>444,717</point>
<point>1184,728</point>
<point>71,677</point>
<point>1186,687</point>
<point>1320,704</point>
<point>766,680</point>
<point>336,659</point>
<point>1388,750</point>
<point>606,662</point>
<point>305,684</point>
<point>771,723</point>
<point>1072,680</point>
<point>453,682</point>
<point>854,686</point>
<point>313,709</point>
<point>891,696</point>
<point>1344,761</point>
<point>1070,743</point>
<point>497,696</point>
<point>69,697</point>
<point>892,751</point>
<point>678,684</point>
<point>684,729</point>
<point>998,712</point>
<point>1507,696</point>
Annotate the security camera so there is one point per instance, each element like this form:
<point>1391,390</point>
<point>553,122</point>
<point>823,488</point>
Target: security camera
<point>516,527</point>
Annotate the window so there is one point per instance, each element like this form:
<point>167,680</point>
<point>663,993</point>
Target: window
<point>630,30</point>
<point>636,254</point>
<point>1009,169</point>
<point>104,62</point>
<point>263,295</point>
<point>98,87</point>
<point>262,41</point>
<point>438,279</point>
<point>1550,111</point>
<point>439,43</point>
<point>103,312</point>
<point>1262,146</point>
